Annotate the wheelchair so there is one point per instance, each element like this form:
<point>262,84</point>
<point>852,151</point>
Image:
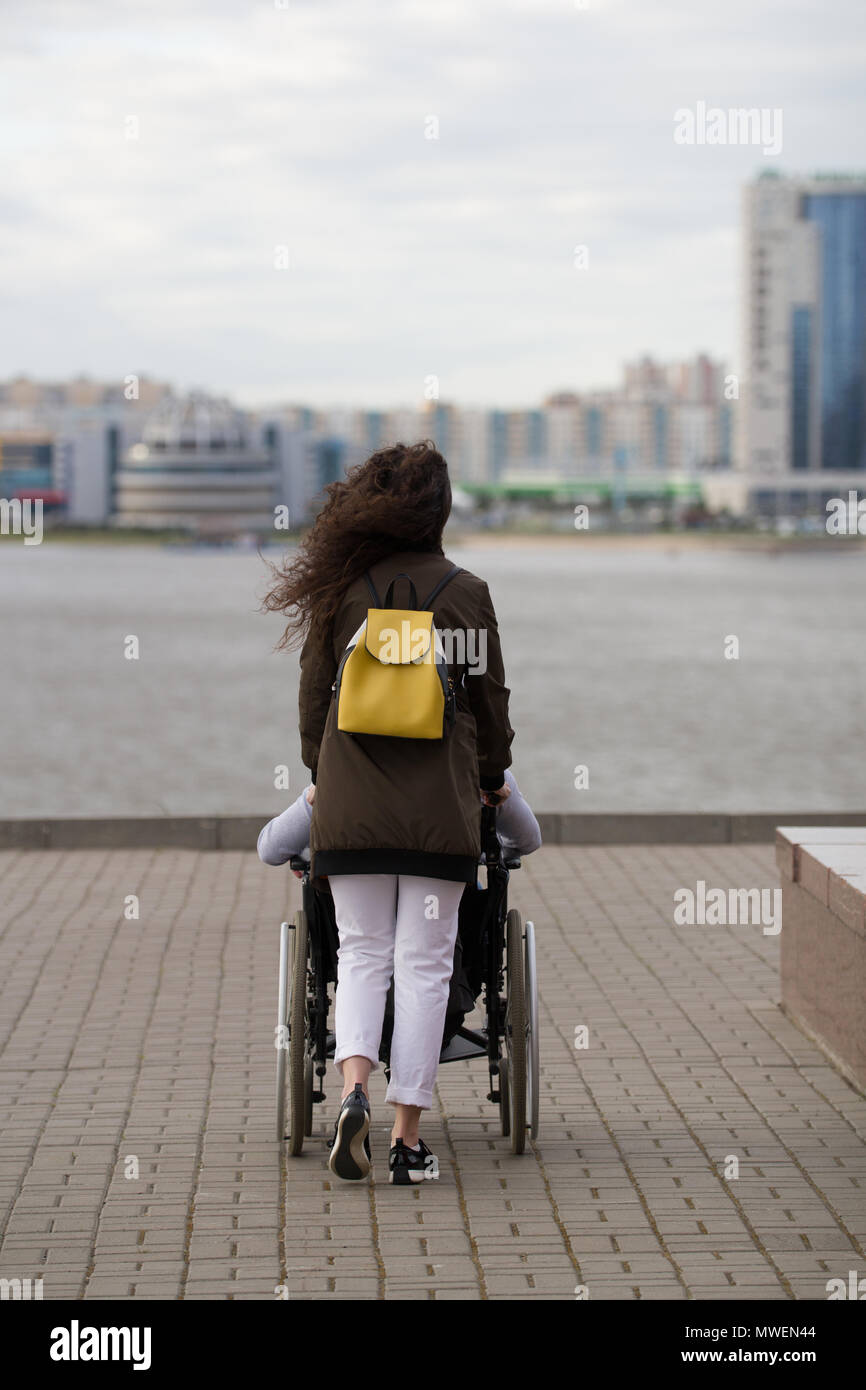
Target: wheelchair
<point>494,956</point>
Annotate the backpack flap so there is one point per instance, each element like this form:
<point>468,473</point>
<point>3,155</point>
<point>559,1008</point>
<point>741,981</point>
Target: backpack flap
<point>398,636</point>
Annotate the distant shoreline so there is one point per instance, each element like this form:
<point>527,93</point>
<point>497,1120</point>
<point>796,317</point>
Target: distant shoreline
<point>653,541</point>
<point>662,541</point>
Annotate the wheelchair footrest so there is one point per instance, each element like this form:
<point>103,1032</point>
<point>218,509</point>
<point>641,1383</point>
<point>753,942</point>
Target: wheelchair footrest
<point>465,1044</point>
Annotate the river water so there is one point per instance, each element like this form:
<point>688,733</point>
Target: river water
<point>615,657</point>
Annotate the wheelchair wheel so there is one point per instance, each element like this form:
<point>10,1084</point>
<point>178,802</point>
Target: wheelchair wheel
<point>281,1036</point>
<point>298,1035</point>
<point>504,1116</point>
<point>515,1029</point>
<point>532,1061</point>
<point>308,1096</point>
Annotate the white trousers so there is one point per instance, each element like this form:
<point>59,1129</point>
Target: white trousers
<point>405,926</point>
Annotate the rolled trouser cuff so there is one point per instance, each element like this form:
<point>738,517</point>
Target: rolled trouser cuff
<point>356,1049</point>
<point>405,1095</point>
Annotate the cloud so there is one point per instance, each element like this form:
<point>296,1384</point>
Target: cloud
<point>304,125</point>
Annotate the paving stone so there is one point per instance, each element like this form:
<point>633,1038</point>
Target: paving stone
<point>162,1051</point>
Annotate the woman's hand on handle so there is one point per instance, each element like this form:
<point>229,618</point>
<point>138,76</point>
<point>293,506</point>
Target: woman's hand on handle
<point>496,798</point>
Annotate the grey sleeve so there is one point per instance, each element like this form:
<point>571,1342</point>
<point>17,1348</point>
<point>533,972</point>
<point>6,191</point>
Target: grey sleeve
<point>287,834</point>
<point>516,826</point>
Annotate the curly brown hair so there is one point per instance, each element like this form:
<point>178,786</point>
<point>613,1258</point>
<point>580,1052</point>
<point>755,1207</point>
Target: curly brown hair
<point>398,499</point>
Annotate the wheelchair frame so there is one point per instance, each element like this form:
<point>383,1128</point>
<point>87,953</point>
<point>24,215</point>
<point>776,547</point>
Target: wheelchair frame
<point>508,1039</point>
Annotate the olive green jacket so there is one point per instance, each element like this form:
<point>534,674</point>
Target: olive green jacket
<point>410,806</point>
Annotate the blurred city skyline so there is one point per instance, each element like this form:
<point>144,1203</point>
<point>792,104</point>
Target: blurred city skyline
<point>430,172</point>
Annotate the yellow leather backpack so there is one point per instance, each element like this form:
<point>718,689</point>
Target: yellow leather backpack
<point>393,677</point>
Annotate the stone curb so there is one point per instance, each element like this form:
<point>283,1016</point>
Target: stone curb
<point>567,828</point>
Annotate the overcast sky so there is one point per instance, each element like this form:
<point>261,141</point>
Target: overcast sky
<point>302,124</point>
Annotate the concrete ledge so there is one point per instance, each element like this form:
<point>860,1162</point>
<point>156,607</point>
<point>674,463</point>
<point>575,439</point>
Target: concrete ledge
<point>112,833</point>
<point>633,828</point>
<point>823,940</point>
<point>557,828</point>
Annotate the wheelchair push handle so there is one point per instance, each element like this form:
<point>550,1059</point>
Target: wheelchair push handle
<point>489,838</point>
<point>490,844</point>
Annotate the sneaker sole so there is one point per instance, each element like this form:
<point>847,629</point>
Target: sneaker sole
<point>405,1177</point>
<point>348,1158</point>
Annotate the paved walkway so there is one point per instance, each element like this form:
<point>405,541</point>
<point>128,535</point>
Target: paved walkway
<point>137,1101</point>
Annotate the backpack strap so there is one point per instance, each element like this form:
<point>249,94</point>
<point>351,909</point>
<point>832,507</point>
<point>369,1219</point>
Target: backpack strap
<point>441,585</point>
<point>437,588</point>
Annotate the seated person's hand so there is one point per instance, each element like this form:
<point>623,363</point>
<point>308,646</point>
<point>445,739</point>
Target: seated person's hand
<point>496,798</point>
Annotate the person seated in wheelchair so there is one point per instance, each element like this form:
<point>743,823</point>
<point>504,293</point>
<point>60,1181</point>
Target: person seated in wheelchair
<point>287,836</point>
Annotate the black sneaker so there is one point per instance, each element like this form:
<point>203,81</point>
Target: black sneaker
<point>350,1152</point>
<point>411,1165</point>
